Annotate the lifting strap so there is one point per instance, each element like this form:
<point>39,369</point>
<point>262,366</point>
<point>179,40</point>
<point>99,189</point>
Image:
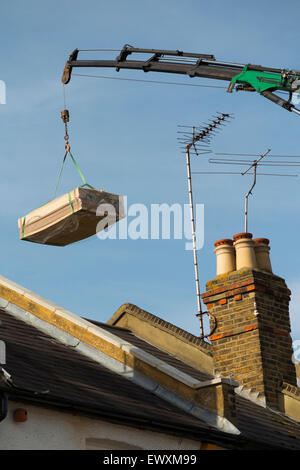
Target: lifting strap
<point>68,151</point>
<point>66,117</point>
<point>59,178</point>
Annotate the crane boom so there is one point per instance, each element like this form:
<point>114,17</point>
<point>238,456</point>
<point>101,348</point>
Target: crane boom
<point>243,77</point>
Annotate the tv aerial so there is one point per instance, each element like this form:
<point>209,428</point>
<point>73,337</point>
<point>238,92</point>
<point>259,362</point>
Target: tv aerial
<point>196,140</point>
<point>252,169</point>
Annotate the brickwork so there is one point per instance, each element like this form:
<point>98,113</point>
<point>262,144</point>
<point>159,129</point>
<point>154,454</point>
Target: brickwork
<point>252,339</point>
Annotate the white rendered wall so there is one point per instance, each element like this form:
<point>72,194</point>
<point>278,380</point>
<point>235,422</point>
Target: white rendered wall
<point>54,430</point>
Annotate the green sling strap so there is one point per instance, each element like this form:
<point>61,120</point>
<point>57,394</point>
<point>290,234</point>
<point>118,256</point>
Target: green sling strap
<point>59,177</point>
<point>77,168</point>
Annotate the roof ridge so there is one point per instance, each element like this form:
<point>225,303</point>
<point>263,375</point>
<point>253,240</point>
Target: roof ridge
<point>105,325</point>
<point>161,323</point>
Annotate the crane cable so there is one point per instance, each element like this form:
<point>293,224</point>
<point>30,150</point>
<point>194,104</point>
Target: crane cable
<point>66,118</point>
<point>160,82</point>
<point>147,81</point>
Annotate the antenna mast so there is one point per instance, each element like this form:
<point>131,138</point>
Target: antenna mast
<point>198,136</point>
<point>254,166</point>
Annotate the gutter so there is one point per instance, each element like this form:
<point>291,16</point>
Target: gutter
<point>211,435</point>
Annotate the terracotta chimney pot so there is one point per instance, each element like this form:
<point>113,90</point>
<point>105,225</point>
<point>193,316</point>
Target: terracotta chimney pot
<point>225,254</point>
<point>262,252</point>
<point>244,250</point>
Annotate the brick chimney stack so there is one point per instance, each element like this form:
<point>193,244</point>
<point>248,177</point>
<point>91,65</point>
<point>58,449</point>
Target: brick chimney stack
<point>251,306</point>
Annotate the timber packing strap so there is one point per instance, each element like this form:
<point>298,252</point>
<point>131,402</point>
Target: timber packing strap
<point>244,77</point>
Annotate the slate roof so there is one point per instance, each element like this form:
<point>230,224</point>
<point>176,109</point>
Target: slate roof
<point>47,372</point>
<point>267,427</point>
<point>127,335</point>
<point>256,423</point>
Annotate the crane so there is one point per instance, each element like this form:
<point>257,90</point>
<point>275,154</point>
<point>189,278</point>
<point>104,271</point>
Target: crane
<point>241,77</point>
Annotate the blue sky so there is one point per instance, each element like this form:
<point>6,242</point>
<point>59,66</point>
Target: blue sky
<point>123,135</point>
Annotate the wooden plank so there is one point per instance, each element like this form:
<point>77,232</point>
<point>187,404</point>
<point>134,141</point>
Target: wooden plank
<point>71,217</point>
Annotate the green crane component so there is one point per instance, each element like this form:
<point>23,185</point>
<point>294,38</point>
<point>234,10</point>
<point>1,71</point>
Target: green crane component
<point>244,77</point>
<point>262,81</point>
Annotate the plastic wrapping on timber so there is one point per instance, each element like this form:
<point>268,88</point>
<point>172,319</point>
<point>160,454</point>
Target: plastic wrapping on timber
<point>72,217</point>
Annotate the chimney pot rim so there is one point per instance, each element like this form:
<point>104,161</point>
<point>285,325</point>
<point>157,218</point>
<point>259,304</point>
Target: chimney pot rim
<point>263,241</point>
<point>242,235</point>
<point>224,241</point>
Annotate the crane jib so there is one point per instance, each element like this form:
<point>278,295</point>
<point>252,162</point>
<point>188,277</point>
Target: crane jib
<point>244,77</point>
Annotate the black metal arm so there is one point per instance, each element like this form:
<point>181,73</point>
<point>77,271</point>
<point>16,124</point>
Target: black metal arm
<point>179,62</point>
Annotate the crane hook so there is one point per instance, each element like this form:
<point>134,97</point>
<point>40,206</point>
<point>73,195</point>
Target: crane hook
<point>66,118</point>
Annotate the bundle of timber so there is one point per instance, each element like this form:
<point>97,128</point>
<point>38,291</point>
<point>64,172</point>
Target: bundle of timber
<point>72,217</point>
